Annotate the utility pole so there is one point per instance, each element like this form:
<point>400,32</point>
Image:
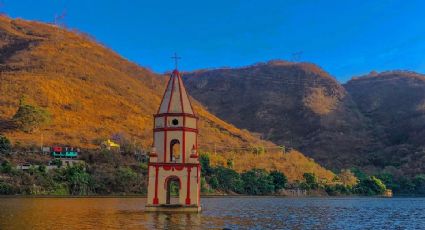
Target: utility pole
<point>42,139</point>
<point>296,56</point>
<point>60,19</point>
<point>59,22</point>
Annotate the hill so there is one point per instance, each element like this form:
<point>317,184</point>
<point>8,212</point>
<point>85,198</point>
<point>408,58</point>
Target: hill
<point>374,122</point>
<point>394,102</point>
<point>298,105</point>
<point>92,93</point>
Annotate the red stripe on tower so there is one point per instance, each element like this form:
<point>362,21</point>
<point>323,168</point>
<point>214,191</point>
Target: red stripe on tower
<point>188,186</point>
<point>155,199</point>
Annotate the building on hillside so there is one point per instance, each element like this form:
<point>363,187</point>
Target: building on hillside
<point>65,152</point>
<point>45,150</point>
<point>173,162</point>
<point>110,145</point>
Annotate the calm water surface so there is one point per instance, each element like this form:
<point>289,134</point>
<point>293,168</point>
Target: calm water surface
<point>218,213</point>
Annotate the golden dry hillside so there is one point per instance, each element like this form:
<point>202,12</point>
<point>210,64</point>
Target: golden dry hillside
<point>293,163</point>
<point>91,92</point>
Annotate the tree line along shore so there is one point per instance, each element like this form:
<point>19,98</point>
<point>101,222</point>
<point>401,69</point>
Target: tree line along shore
<point>106,172</point>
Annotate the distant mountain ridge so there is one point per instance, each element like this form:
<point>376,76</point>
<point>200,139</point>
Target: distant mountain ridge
<point>394,102</point>
<point>302,106</point>
<point>293,104</point>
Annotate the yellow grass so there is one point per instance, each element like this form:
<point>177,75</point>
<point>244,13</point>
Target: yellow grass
<point>91,92</point>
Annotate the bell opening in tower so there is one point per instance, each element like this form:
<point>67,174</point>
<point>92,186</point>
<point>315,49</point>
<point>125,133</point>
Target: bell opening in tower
<point>175,151</point>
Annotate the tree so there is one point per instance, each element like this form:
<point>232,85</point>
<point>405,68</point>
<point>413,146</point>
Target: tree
<point>279,179</point>
<point>6,167</point>
<point>78,179</point>
<point>310,181</point>
<point>257,182</point>
<point>42,168</point>
<point>370,186</point>
<point>359,174</point>
<point>337,189</point>
<point>204,186</point>
<point>230,163</point>
<point>228,179</point>
<point>6,188</point>
<point>206,169</point>
<point>30,117</point>
<point>126,179</point>
<point>214,182</point>
<point>57,162</point>
<point>5,146</point>
<point>388,180</point>
<point>419,181</point>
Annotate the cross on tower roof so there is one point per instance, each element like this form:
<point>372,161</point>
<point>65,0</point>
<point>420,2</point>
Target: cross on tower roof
<point>176,59</point>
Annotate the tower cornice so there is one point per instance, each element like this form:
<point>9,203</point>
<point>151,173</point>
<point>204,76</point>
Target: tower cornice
<point>175,129</point>
<point>176,115</point>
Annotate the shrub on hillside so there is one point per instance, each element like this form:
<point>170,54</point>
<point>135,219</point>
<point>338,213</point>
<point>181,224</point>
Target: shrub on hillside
<point>30,117</point>
<point>5,145</point>
<point>6,167</point>
<point>6,189</point>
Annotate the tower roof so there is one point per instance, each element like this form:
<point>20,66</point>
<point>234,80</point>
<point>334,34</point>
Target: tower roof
<point>175,99</point>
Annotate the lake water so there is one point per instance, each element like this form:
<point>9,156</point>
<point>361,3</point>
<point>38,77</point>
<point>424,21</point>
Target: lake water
<point>218,213</point>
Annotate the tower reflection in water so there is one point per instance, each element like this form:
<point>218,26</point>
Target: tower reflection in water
<point>161,220</point>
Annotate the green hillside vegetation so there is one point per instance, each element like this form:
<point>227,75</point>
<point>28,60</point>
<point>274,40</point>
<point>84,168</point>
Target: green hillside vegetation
<point>108,173</point>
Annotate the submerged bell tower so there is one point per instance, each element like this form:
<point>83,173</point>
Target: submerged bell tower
<point>174,169</point>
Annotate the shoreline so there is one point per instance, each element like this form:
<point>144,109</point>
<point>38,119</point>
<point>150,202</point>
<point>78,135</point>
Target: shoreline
<point>204,196</point>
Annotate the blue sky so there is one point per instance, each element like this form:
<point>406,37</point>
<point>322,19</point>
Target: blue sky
<point>346,38</point>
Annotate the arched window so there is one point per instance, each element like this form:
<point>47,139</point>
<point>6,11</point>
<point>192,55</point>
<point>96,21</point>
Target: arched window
<point>174,150</point>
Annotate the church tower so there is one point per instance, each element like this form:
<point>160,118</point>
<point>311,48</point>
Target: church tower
<point>174,167</point>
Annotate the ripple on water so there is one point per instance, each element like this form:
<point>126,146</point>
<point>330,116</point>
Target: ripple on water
<point>218,213</point>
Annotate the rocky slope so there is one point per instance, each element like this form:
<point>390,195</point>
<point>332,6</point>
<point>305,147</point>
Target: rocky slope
<point>394,103</point>
<point>376,122</point>
<point>293,104</point>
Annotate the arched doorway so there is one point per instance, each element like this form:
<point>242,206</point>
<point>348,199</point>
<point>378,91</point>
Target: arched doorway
<point>174,150</point>
<point>173,186</point>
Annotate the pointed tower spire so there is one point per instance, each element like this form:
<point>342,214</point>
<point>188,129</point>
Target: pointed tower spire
<point>175,99</point>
